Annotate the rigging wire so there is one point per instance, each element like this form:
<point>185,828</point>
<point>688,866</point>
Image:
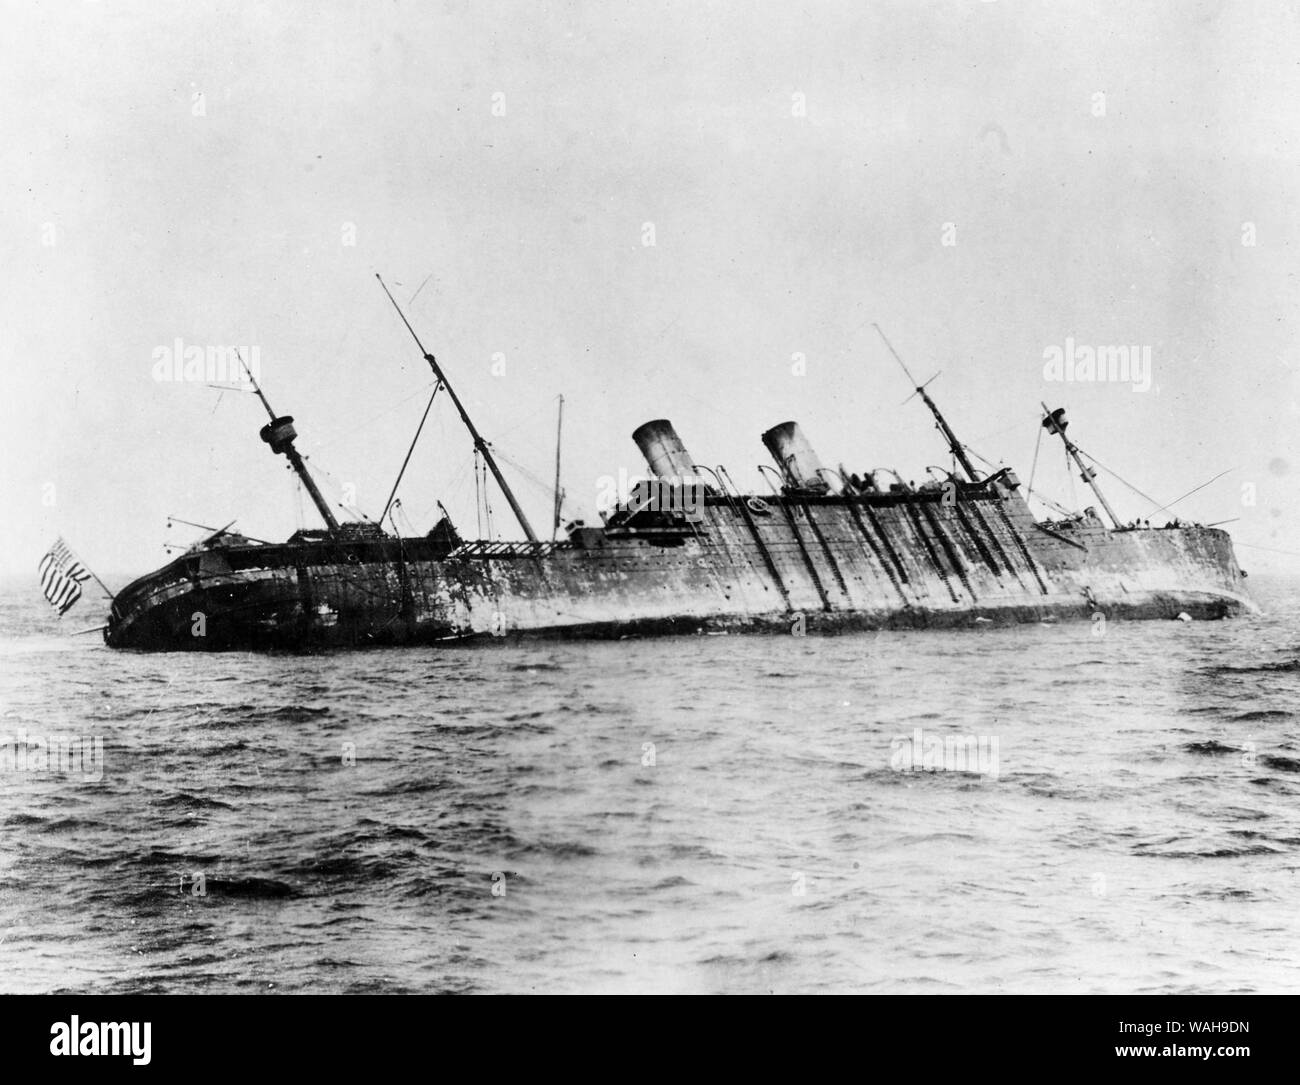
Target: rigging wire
<point>337,484</point>
<point>336,437</point>
<point>1074,498</point>
<point>487,502</point>
<point>1156,505</point>
<point>478,500</point>
<point>528,476</point>
<point>1124,482</point>
<point>1176,500</point>
<point>407,528</point>
<point>542,486</point>
<point>1270,549</point>
<point>519,424</point>
<point>418,430</point>
<point>1034,469</point>
<point>458,485</point>
<point>983,459</point>
<point>1018,424</point>
<point>1029,490</point>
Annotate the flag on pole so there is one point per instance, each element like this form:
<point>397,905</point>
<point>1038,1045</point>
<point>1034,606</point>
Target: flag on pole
<point>61,577</point>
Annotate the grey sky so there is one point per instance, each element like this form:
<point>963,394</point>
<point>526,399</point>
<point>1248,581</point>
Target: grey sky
<point>134,212</point>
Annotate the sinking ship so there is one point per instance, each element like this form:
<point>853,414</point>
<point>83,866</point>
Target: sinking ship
<point>825,551</point>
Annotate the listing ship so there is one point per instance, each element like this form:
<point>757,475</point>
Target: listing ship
<point>826,551</point>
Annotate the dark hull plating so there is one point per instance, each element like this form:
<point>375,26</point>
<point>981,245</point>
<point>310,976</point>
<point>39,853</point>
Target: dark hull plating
<point>818,565</point>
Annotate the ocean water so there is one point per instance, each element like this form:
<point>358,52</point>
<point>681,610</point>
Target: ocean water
<point>701,814</point>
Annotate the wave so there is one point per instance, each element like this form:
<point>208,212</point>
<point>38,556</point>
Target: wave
<point>188,801</point>
<point>1221,852</point>
<point>1210,747</point>
<point>1282,764</point>
<point>250,888</point>
<point>1258,668</point>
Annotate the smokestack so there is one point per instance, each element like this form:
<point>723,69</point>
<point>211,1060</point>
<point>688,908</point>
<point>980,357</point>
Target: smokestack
<point>795,456</point>
<point>664,452</point>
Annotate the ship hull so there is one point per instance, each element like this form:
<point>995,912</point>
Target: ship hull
<point>815,565</point>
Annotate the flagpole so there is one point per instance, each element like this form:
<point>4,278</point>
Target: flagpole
<point>91,572</point>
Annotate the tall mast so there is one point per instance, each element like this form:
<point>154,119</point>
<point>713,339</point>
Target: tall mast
<point>955,445</point>
<point>559,496</point>
<point>280,435</point>
<point>479,444</point>
<point>1056,423</point>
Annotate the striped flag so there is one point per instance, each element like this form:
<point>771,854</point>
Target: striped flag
<point>61,577</point>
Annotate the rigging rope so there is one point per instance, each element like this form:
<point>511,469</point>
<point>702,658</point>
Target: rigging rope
<point>418,430</point>
<point>1176,500</point>
<point>1029,490</point>
<point>487,501</point>
<point>337,485</point>
<point>1034,469</point>
<point>546,487</point>
<point>478,500</point>
<point>458,485</point>
<point>357,429</point>
<point>1117,477</point>
<point>1270,549</point>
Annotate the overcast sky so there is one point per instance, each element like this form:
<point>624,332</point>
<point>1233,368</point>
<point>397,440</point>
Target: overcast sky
<point>235,174</point>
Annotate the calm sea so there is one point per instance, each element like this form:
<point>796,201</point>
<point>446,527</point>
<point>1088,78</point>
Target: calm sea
<point>668,815</point>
